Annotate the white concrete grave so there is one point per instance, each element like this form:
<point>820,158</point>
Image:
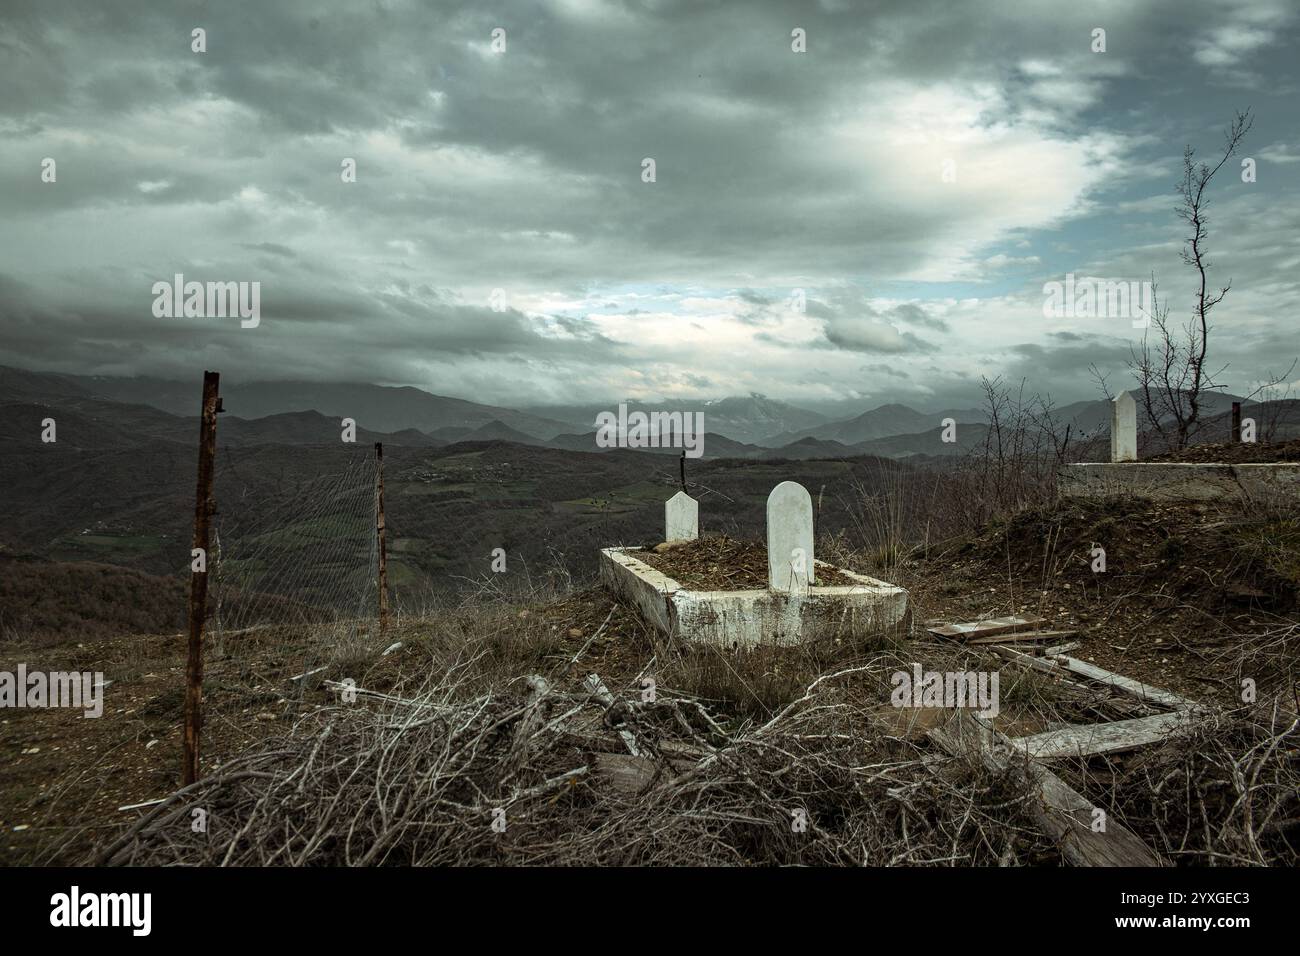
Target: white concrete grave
<point>681,518</point>
<point>790,610</point>
<point>1123,428</point>
<point>789,538</point>
<point>1125,476</point>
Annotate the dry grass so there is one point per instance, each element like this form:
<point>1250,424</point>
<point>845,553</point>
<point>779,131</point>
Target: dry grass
<point>734,747</point>
<point>489,712</point>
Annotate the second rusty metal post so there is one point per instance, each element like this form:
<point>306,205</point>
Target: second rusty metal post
<point>1236,421</point>
<point>379,529</point>
<point>204,508</point>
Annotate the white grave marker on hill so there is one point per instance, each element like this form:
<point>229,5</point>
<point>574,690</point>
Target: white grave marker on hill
<point>1123,428</point>
<point>789,537</point>
<point>681,518</point>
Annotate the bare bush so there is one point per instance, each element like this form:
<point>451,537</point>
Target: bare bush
<point>418,777</point>
<point>1013,466</point>
<point>1227,795</point>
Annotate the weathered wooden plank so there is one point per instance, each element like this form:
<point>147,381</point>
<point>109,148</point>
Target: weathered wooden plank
<point>1064,814</point>
<point>994,625</point>
<point>1104,738</point>
<point>1125,707</point>
<point>1021,636</point>
<point>1123,684</point>
<point>1033,663</point>
<point>1029,649</point>
<point>1060,665</point>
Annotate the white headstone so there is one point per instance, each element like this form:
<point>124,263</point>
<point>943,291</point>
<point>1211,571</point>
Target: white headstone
<point>789,537</point>
<point>681,518</point>
<point>1123,428</point>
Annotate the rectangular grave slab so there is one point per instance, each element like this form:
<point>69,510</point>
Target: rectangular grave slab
<point>753,617</point>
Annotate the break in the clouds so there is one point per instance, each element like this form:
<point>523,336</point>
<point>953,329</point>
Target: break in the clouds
<point>874,217</point>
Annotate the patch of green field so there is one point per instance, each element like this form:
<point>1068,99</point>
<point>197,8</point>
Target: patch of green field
<point>643,491</point>
<point>620,500</point>
<point>465,457</point>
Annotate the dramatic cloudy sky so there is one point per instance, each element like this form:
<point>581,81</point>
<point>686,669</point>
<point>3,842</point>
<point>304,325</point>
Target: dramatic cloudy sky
<point>521,170</point>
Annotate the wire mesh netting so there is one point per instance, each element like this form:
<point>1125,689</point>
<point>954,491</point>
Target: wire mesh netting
<point>297,548</point>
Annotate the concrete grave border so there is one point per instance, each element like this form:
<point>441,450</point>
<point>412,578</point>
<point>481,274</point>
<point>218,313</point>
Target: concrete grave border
<point>753,617</point>
<point>1181,481</point>
<point>1127,477</point>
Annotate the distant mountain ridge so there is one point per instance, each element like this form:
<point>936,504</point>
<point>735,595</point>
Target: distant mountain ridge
<point>111,412</point>
<point>381,408</point>
<point>893,419</point>
<point>94,424</point>
<point>742,418</point>
<point>495,430</point>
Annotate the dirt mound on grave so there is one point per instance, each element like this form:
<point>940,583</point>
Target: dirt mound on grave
<point>720,563</point>
<point>1208,556</point>
<point>1235,453</point>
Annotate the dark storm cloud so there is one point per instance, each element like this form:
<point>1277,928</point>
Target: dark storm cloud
<point>867,335</point>
<point>521,171</point>
<point>1063,366</point>
<point>851,323</point>
<point>298,330</point>
<point>882,369</point>
<point>913,314</point>
<point>1034,359</point>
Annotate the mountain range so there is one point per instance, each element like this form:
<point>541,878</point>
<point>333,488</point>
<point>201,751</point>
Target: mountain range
<point>98,411</point>
<point>379,407</point>
<point>749,419</point>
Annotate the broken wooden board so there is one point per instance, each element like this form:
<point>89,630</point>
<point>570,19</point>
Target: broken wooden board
<point>1020,636</point>
<point>1029,649</point>
<point>1034,663</point>
<point>1126,685</point>
<point>1064,814</point>
<point>1104,738</point>
<point>994,625</point>
<point>1127,708</point>
<point>1061,666</point>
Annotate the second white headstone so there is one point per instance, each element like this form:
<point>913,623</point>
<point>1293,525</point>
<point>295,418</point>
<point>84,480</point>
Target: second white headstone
<point>681,518</point>
<point>789,537</point>
<point>1123,428</point>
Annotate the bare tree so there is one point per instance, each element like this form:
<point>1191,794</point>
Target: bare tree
<point>1274,404</point>
<point>1171,372</point>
